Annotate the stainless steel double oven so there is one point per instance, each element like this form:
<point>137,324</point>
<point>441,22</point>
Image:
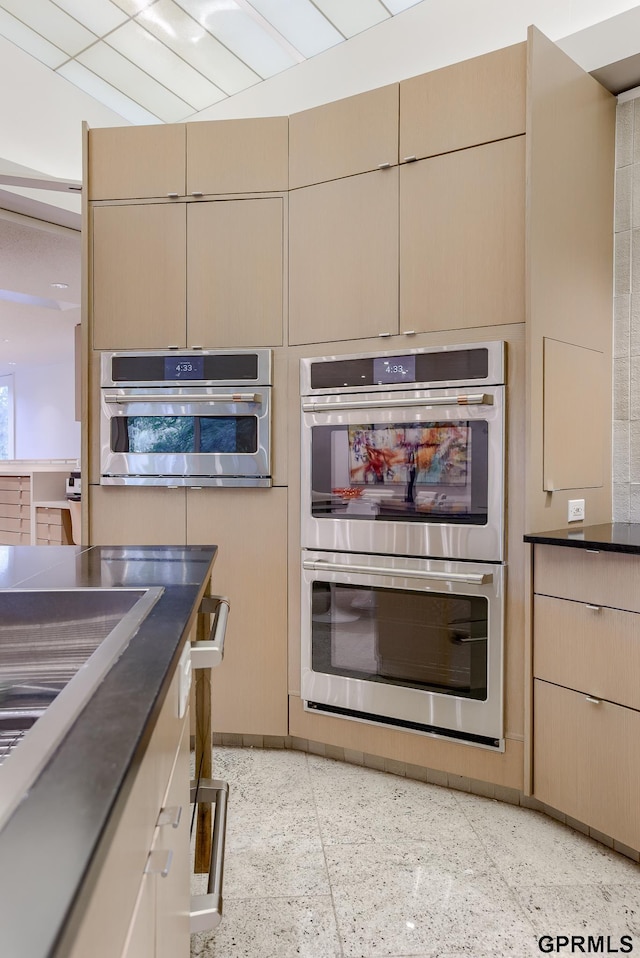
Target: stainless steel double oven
<point>403,503</point>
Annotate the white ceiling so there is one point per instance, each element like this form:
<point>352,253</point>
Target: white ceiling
<point>111,62</point>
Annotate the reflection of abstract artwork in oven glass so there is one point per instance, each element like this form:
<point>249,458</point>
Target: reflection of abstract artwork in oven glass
<point>437,454</point>
<point>161,433</point>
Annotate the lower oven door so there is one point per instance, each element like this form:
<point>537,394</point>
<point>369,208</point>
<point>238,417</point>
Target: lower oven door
<point>185,436</point>
<point>412,643</point>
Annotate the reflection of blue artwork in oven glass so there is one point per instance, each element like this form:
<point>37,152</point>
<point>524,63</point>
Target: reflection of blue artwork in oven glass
<point>233,434</point>
<point>161,433</point>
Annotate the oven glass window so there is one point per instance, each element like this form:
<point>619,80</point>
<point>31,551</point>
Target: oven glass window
<point>432,641</point>
<point>417,472</point>
<point>228,434</point>
<point>184,434</point>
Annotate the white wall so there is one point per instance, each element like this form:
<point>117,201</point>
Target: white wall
<point>44,402</point>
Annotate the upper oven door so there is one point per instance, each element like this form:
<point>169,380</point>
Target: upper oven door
<point>185,436</point>
<point>415,473</point>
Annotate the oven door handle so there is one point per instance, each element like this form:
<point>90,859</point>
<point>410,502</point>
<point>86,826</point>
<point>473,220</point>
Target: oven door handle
<point>470,578</point>
<point>474,399</point>
<point>178,398</point>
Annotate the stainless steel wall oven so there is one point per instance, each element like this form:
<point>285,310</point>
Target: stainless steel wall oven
<point>403,459</point>
<point>186,418</point>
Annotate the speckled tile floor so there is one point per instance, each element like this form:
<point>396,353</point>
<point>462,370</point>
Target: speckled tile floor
<point>329,860</point>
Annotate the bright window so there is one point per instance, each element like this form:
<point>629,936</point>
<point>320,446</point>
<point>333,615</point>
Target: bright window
<point>6,417</point>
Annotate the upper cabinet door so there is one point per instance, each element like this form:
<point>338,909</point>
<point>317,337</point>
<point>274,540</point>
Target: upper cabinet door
<point>134,162</point>
<point>464,104</point>
<point>235,272</point>
<point>139,276</point>
<point>350,136</point>
<point>343,259</point>
<point>462,238</point>
<point>237,156</point>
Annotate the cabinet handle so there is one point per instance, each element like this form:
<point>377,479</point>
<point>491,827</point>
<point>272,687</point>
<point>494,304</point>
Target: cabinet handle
<point>384,166</point>
<point>159,863</point>
<point>197,193</point>
<point>409,332</point>
<point>593,552</point>
<point>409,159</point>
<point>593,608</point>
<point>591,699</point>
<point>209,653</point>
<point>206,910</point>
<point>383,335</point>
<point>173,196</point>
<point>170,816</point>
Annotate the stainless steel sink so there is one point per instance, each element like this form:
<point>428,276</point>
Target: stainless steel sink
<point>56,645</point>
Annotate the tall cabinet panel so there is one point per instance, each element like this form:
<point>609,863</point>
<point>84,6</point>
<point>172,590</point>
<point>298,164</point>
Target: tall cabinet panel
<point>250,528</point>
<point>139,276</point>
<point>343,259</point>
<point>154,167</point>
<point>235,272</point>
<point>462,238</point>
<point>354,135</point>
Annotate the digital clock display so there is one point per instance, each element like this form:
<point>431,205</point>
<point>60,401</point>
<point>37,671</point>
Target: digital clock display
<point>183,367</point>
<point>394,369</point>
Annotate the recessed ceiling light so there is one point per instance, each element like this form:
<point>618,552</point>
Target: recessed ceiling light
<point>12,364</point>
<point>60,285</point>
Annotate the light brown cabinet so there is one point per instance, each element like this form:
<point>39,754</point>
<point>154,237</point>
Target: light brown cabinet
<point>465,104</point>
<point>237,156</point>
<point>177,160</point>
<point>586,729</point>
<point>462,236</point>
<point>136,515</point>
<point>343,242</point>
<point>139,906</point>
<point>250,528</point>
<point>154,167</point>
<point>354,135</point>
<point>188,274</point>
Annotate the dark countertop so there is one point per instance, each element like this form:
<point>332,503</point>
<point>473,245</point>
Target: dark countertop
<point>607,537</point>
<point>52,846</point>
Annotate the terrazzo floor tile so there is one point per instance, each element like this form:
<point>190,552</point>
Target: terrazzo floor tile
<point>290,868</point>
<point>272,928</point>
<point>529,848</point>
<point>583,910</point>
<point>404,899</point>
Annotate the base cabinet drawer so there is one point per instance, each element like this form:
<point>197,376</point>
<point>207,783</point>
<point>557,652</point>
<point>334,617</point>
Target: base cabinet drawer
<point>587,760</point>
<point>600,578</point>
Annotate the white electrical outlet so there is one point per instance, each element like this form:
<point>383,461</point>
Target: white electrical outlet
<point>576,510</point>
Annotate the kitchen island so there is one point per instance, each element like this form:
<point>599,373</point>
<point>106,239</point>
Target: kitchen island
<point>55,843</point>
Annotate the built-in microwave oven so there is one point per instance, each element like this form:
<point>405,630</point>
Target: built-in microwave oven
<point>186,418</point>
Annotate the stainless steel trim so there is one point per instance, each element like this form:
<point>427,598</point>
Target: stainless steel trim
<point>475,399</point>
<point>471,578</point>
<point>209,654</point>
<point>593,700</point>
<point>171,396</point>
<point>206,910</point>
<point>170,816</point>
<point>197,482</point>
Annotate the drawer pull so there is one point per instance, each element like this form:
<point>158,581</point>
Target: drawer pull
<point>409,159</point>
<point>170,816</point>
<point>159,863</point>
<point>593,552</point>
<point>206,910</point>
<point>384,166</point>
<point>593,608</point>
<point>383,335</point>
<point>197,193</point>
<point>208,654</point>
<point>593,700</point>
<point>172,196</point>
